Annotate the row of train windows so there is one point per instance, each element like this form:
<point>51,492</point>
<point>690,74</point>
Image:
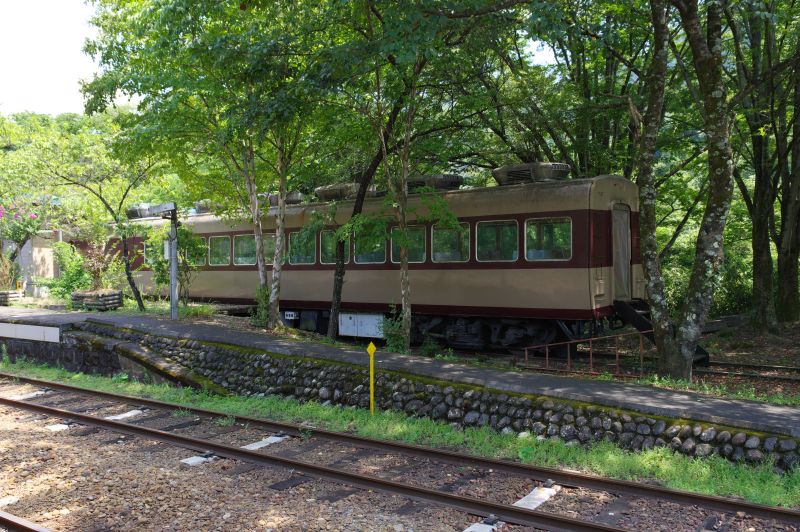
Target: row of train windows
<point>495,241</point>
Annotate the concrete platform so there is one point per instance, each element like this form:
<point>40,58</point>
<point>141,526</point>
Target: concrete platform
<point>737,413</point>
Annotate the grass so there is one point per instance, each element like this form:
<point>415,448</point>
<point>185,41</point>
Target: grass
<point>712,475</point>
<point>160,307</point>
<point>225,421</point>
<point>734,391</point>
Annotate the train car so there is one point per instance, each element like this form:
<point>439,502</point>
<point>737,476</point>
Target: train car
<point>533,262</point>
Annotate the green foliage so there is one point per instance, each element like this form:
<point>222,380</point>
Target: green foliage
<point>429,347</point>
<point>72,274</point>
<point>161,308</point>
<point>19,224</point>
<point>448,356</point>
<point>260,316</point>
<point>733,390</point>
<point>734,289</point>
<point>9,273</point>
<point>191,252</point>
<point>225,421</point>
<point>392,329</point>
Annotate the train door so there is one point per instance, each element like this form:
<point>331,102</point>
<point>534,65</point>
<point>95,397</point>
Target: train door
<point>621,241</point>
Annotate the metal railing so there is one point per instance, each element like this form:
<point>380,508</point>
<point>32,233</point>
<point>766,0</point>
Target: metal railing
<point>592,345</point>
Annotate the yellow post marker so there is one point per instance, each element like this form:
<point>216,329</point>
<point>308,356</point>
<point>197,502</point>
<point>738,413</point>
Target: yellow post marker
<point>371,350</point>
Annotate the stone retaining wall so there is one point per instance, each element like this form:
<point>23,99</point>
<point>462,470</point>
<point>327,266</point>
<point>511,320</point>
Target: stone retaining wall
<point>74,353</point>
<point>257,373</point>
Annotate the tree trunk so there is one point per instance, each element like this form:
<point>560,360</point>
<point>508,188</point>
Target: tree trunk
<point>248,170</point>
<point>280,238</point>
<point>788,300</point>
<point>405,279</point>
<point>338,284</point>
<point>402,204</point>
<point>126,261</point>
<point>364,180</point>
<point>405,284</point>
<point>707,59</point>
<point>648,221</point>
<point>15,249</point>
<point>764,318</point>
<point>756,113</point>
<point>258,227</point>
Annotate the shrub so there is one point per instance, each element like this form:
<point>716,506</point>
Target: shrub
<point>9,273</point>
<point>18,224</point>
<point>72,274</point>
<point>392,328</point>
<point>430,347</point>
<point>260,316</point>
<point>191,248</point>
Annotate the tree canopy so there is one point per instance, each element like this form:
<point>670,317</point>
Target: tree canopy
<point>696,101</point>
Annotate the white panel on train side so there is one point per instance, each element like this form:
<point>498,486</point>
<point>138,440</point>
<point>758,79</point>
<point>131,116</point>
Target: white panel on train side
<point>361,325</point>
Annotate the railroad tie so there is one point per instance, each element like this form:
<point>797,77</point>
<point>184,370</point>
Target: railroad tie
<point>31,395</point>
<point>58,427</point>
<point>538,496</point>
<point>210,457</point>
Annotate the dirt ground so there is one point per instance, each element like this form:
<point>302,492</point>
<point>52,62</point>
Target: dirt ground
<point>743,345</point>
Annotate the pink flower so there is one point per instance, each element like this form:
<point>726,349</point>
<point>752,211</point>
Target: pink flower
<point>16,216</point>
<point>32,216</point>
<point>2,211</point>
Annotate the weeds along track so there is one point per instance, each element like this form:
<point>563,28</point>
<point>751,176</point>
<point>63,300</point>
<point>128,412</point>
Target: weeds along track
<point>467,483</point>
<point>752,371</point>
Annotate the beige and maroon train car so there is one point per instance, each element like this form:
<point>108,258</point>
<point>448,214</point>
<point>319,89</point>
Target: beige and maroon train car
<point>532,261</point>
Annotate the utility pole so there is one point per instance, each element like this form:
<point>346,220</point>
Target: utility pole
<point>167,211</point>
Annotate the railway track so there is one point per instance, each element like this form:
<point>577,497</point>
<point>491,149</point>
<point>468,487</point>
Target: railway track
<point>749,375</point>
<point>508,513</point>
<point>752,371</point>
<point>17,524</point>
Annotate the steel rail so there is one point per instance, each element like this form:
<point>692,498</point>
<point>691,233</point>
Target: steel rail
<point>508,513</point>
<point>564,478</point>
<point>12,522</point>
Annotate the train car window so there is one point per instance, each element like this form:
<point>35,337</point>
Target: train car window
<point>302,250</point>
<point>548,239</point>
<point>415,244</point>
<point>269,240</point>
<point>244,250</point>
<point>450,245</point>
<point>219,250</point>
<point>496,241</point>
<point>327,245</point>
<point>197,256</point>
<point>370,251</point>
<point>152,253</point>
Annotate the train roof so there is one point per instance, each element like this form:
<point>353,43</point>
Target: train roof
<point>597,193</point>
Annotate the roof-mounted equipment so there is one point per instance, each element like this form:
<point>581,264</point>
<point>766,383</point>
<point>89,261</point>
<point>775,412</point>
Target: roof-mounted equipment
<point>530,172</point>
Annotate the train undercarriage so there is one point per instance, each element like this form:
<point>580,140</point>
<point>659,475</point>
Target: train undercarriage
<point>466,332</point>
